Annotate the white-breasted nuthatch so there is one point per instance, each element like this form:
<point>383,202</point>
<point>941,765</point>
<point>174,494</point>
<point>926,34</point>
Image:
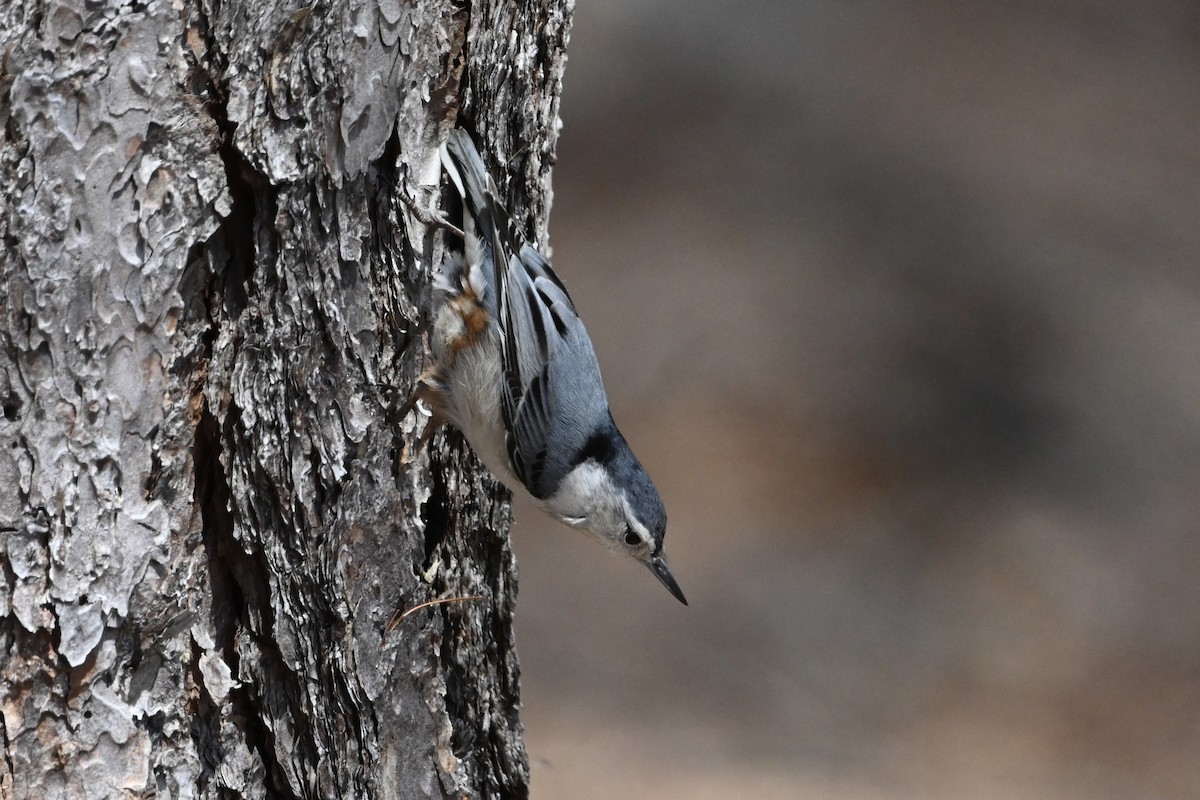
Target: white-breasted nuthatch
<point>515,371</point>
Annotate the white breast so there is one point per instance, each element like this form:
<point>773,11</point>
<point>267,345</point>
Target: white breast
<point>473,387</point>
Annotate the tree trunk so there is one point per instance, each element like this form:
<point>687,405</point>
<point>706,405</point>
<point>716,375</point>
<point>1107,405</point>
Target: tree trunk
<point>209,509</point>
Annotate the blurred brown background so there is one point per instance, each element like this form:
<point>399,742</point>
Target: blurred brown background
<point>900,305</point>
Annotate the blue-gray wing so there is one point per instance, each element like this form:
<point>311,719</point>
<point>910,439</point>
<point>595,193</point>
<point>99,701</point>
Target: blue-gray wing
<point>553,398</point>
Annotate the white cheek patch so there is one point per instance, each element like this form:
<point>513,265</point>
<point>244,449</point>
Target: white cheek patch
<point>586,499</point>
<point>581,492</point>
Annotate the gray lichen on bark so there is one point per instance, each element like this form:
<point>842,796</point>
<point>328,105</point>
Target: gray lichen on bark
<point>208,515</point>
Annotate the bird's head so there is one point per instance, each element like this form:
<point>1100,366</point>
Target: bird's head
<point>613,499</point>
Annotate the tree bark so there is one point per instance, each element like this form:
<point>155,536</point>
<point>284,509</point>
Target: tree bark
<point>209,510</point>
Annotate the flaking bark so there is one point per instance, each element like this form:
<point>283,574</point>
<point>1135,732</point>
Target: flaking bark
<point>208,514</point>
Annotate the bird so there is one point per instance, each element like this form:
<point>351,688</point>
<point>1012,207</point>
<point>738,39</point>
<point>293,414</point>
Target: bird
<point>515,371</point>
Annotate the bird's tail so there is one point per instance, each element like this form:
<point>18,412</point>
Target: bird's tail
<point>481,215</point>
<point>465,168</point>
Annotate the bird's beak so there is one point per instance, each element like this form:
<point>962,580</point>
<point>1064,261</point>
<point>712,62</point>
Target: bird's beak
<point>659,567</point>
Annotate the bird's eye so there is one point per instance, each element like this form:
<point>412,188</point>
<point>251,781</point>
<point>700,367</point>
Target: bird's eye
<point>632,538</point>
